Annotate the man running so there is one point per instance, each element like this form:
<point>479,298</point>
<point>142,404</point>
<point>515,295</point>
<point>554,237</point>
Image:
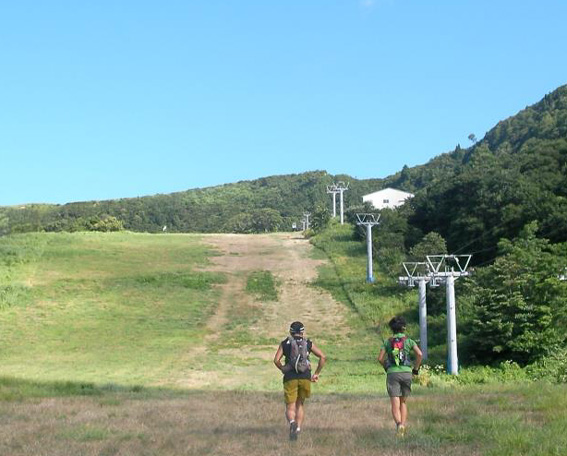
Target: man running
<point>395,358</point>
<point>297,374</point>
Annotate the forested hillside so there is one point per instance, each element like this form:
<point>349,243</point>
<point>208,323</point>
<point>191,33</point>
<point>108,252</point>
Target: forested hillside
<point>266,204</point>
<point>515,175</point>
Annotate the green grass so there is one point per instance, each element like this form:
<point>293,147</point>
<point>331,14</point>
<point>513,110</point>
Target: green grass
<point>346,279</point>
<point>96,307</point>
<point>352,366</point>
<point>263,285</point>
<point>503,420</point>
<point>373,306</point>
<point>90,323</point>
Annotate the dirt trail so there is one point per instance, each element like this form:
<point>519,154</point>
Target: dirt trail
<point>287,257</point>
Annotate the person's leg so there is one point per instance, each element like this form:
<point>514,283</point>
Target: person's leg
<point>403,410</point>
<point>303,393</point>
<point>291,389</point>
<point>405,383</point>
<point>396,412</point>
<point>299,412</point>
<point>290,411</point>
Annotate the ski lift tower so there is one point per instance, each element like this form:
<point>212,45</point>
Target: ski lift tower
<point>368,220</point>
<point>341,187</point>
<point>446,269</point>
<point>418,272</point>
<point>306,223</point>
<point>333,190</point>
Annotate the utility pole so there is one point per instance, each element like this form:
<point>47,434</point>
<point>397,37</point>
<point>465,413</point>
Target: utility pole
<point>418,272</point>
<point>333,190</point>
<point>368,220</point>
<point>341,187</point>
<point>442,270</point>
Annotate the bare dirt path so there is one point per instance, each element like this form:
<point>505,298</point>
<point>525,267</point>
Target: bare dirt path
<point>288,257</point>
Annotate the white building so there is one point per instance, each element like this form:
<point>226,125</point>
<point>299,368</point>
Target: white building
<point>387,197</point>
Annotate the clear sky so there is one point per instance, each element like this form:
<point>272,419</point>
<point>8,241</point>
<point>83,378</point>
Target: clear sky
<point>104,99</point>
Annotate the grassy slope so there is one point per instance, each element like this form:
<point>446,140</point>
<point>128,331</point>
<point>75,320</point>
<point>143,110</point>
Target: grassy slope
<point>102,308</point>
<point>91,308</point>
<point>354,367</point>
<point>494,411</point>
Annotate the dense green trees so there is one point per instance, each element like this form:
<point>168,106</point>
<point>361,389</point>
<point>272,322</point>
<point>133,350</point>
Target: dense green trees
<point>520,305</point>
<point>320,218</point>
<point>266,204</point>
<point>431,244</point>
<point>516,174</point>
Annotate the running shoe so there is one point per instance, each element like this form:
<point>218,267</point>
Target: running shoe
<point>293,431</point>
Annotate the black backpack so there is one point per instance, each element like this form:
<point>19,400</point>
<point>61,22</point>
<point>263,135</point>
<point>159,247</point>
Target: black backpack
<point>298,360</point>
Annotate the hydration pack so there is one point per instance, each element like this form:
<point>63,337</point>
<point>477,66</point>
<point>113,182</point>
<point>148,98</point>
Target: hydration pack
<point>397,356</point>
<point>298,360</point>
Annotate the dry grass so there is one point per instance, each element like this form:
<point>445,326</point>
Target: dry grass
<point>202,423</point>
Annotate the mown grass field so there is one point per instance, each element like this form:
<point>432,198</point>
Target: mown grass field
<point>96,331</point>
<point>71,420</point>
<point>106,308</point>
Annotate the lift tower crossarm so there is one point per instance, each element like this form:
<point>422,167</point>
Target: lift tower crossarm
<point>415,271</point>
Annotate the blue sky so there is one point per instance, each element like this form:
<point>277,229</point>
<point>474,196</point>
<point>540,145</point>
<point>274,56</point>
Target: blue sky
<point>108,99</point>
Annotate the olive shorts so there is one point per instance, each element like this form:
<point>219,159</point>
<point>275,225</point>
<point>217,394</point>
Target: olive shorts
<point>399,384</point>
<point>296,389</point>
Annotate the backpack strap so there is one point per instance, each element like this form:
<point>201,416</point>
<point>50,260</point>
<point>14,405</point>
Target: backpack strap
<point>389,358</point>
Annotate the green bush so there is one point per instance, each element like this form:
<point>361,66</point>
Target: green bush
<point>520,303</point>
<point>552,367</point>
<point>107,224</point>
<point>505,372</point>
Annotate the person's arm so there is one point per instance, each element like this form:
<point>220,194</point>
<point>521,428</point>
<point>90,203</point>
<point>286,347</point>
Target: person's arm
<point>382,358</point>
<point>322,359</point>
<point>418,358</point>
<point>278,358</point>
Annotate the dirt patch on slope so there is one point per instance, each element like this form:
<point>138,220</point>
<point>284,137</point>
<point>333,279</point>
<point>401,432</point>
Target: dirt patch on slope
<point>288,257</point>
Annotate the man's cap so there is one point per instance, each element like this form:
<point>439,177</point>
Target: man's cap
<point>296,327</point>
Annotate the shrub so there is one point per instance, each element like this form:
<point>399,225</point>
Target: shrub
<point>552,367</point>
<point>520,303</point>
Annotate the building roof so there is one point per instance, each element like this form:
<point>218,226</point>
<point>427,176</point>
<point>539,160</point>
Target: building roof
<point>390,190</point>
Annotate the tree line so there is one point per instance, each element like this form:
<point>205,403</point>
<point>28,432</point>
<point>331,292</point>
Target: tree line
<point>267,204</point>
